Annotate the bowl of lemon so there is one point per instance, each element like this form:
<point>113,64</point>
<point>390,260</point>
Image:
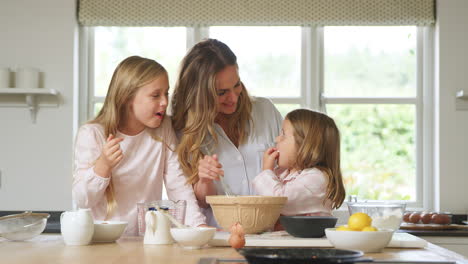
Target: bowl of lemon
<point>359,234</point>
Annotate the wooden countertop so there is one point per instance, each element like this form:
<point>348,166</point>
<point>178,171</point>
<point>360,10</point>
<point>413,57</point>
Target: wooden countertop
<point>48,248</point>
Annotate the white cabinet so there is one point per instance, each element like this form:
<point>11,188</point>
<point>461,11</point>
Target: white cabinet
<point>30,97</point>
<point>456,244</point>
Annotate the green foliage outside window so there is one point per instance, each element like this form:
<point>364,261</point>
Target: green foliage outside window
<point>377,150</point>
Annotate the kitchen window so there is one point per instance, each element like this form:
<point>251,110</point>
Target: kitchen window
<point>371,80</point>
<point>111,45</point>
<point>370,89</point>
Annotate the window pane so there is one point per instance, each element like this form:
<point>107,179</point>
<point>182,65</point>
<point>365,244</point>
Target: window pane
<point>286,108</point>
<point>377,150</point>
<point>370,61</point>
<point>97,108</point>
<point>269,58</point>
<point>113,44</point>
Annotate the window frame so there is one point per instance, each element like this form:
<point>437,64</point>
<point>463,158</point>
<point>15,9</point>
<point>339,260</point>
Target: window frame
<point>312,96</point>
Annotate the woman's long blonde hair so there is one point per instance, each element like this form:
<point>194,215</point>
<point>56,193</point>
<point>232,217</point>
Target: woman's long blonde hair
<point>194,104</point>
<point>131,74</point>
<point>317,140</point>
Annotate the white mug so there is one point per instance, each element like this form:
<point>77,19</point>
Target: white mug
<point>27,78</point>
<point>4,77</point>
<point>77,227</point>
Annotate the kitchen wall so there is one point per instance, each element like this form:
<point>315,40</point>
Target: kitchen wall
<point>35,159</point>
<point>452,132</point>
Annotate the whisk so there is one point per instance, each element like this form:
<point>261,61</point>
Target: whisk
<point>224,185</point>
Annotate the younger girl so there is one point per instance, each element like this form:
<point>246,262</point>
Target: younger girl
<point>308,155</point>
<point>123,156</point>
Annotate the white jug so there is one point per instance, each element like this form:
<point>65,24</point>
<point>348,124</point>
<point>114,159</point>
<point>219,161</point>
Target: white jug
<point>77,227</point>
<point>157,229</point>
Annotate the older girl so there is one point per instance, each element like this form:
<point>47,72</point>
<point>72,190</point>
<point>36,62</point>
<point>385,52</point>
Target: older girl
<point>124,155</point>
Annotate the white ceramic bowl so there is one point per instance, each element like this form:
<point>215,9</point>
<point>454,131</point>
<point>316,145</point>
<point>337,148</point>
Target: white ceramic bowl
<point>368,242</point>
<point>193,237</point>
<point>108,231</point>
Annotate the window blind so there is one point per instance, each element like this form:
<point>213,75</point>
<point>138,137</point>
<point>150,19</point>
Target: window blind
<point>255,12</point>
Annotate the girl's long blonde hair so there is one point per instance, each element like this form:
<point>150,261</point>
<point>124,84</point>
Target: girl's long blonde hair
<point>131,74</point>
<point>194,104</point>
<point>318,141</point>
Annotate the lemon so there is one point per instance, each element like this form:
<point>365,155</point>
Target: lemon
<point>358,221</point>
<point>369,229</point>
<point>343,228</point>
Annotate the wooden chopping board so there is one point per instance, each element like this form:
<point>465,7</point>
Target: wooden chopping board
<point>283,239</point>
<point>408,226</point>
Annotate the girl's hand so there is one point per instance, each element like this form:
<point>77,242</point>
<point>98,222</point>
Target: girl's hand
<point>209,168</point>
<point>111,155</point>
<point>269,158</point>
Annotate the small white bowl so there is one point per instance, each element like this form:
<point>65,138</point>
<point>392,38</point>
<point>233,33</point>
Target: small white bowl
<point>368,242</point>
<point>193,237</point>
<point>108,231</point>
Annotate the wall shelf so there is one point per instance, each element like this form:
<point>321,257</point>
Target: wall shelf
<point>462,95</point>
<point>30,95</point>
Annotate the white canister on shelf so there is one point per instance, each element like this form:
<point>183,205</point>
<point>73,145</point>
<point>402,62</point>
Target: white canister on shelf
<point>4,77</point>
<point>27,77</point>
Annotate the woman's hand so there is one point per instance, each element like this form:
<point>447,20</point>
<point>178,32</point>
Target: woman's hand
<point>209,168</point>
<point>111,155</point>
<point>270,157</point>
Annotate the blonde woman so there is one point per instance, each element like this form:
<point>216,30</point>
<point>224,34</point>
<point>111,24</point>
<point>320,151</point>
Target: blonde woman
<point>124,155</point>
<point>308,156</point>
<point>222,131</point>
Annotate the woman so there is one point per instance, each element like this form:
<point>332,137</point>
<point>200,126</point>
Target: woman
<point>222,131</point>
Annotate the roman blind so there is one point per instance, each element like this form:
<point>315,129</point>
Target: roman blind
<point>255,12</point>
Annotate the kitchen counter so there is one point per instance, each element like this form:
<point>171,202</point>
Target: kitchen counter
<point>53,226</point>
<point>441,233</point>
<point>49,248</point>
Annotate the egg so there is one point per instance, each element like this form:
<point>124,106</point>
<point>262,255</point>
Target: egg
<point>237,229</point>
<point>426,218</point>
<point>414,218</point>
<point>441,219</point>
<point>236,241</point>
<point>237,238</point>
<point>406,217</point>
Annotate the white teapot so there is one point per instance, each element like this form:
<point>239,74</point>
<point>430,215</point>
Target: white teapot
<point>77,227</point>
